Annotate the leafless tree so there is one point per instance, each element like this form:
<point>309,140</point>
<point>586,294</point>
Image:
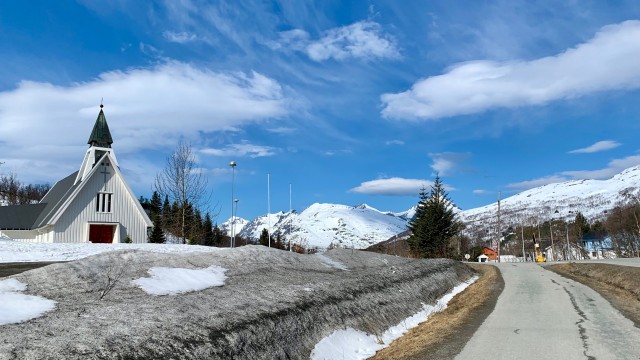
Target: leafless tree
<point>183,183</point>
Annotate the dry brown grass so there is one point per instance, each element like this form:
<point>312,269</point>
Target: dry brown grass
<point>444,333</point>
<point>620,285</point>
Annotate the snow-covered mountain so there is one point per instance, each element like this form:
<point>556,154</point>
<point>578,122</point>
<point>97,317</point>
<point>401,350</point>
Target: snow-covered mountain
<point>321,225</point>
<point>239,224</point>
<point>559,201</point>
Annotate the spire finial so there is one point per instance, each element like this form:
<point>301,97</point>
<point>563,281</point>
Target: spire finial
<point>101,106</point>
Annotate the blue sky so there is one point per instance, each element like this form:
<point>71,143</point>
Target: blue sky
<point>349,101</point>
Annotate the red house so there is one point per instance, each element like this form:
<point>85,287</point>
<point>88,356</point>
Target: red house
<point>491,254</point>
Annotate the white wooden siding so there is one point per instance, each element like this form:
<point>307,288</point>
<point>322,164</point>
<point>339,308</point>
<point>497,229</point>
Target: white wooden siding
<point>72,225</point>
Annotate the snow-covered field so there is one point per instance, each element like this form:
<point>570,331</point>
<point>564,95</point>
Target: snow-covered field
<point>14,251</point>
<point>249,302</point>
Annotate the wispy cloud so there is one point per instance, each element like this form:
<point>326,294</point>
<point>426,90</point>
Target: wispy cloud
<point>597,147</point>
<point>181,37</point>
<point>361,40</point>
<point>613,167</point>
<point>392,187</point>
<point>447,163</point>
<point>281,130</point>
<point>478,86</point>
<point>394,142</point>
<point>479,192</point>
<point>242,150</point>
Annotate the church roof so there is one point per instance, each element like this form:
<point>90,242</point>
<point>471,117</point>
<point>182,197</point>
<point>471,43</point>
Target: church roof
<point>19,217</point>
<point>100,136</point>
<point>33,216</point>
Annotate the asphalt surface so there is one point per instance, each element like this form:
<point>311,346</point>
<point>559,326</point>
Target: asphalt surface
<point>541,315</point>
<point>8,269</point>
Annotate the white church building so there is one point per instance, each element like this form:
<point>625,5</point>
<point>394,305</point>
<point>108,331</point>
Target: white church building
<point>94,204</point>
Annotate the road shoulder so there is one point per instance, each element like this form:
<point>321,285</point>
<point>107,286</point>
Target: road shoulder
<point>445,334</point>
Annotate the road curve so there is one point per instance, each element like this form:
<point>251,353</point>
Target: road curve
<point>541,315</point>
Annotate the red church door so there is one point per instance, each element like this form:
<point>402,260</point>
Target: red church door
<point>101,233</point>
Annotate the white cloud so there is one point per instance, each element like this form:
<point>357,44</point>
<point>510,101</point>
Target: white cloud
<point>392,186</point>
<point>608,61</point>
<point>44,127</point>
<point>360,40</point>
<point>394,142</point>
<point>613,167</point>
<point>446,163</point>
<point>529,184</point>
<point>281,130</point>
<point>597,147</point>
<point>479,192</point>
<point>242,150</point>
<point>182,37</point>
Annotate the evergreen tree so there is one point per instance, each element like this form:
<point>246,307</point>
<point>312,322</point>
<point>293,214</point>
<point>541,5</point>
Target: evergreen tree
<point>207,231</point>
<point>155,205</point>
<point>264,237</point>
<point>581,225</point>
<point>434,223</point>
<point>157,234</point>
<point>218,237</point>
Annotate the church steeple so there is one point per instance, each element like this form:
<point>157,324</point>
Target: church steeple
<point>100,136</point>
<point>99,147</point>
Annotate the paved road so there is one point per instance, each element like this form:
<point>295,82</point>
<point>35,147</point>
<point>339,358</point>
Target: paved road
<point>8,269</point>
<point>541,315</point>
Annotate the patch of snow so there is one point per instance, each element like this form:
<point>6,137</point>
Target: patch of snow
<point>333,263</point>
<point>16,251</point>
<point>16,307</point>
<point>354,344</point>
<point>172,281</point>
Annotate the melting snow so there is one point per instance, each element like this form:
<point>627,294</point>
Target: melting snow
<point>172,281</point>
<point>16,307</point>
<point>354,344</point>
<point>333,263</point>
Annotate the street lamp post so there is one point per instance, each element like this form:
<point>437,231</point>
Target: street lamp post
<point>233,176</point>
<point>233,223</point>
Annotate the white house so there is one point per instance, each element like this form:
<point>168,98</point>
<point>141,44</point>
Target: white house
<point>94,204</point>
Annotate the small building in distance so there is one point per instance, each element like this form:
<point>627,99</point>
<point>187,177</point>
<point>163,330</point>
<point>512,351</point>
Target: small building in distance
<point>94,204</point>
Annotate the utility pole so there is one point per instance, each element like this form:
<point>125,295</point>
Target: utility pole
<point>553,250</point>
<point>269,207</point>
<point>499,232</point>
<point>524,256</point>
<point>568,248</point>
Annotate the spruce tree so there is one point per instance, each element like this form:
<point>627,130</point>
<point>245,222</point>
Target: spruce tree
<point>207,233</point>
<point>264,237</point>
<point>155,205</point>
<point>218,237</point>
<point>157,234</point>
<point>434,223</point>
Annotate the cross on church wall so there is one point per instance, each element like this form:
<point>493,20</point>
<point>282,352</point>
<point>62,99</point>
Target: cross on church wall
<point>105,172</point>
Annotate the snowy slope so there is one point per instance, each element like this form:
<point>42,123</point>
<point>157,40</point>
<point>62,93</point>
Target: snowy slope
<point>239,224</point>
<point>560,201</point>
<point>321,225</point>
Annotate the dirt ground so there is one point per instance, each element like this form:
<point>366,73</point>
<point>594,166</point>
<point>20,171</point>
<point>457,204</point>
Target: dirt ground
<point>620,285</point>
<point>444,335</point>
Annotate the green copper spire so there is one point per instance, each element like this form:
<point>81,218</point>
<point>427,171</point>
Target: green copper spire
<point>100,136</point>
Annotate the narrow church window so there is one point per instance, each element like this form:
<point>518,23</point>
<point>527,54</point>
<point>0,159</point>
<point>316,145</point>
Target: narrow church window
<point>103,202</point>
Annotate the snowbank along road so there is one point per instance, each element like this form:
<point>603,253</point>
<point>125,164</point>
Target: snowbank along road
<point>245,303</point>
<point>542,315</point>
